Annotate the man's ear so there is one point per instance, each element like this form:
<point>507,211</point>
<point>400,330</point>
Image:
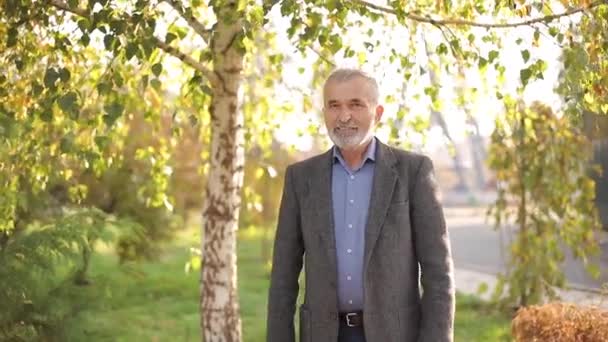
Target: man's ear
<point>379,112</point>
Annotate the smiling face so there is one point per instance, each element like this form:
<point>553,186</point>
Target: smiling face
<point>351,111</point>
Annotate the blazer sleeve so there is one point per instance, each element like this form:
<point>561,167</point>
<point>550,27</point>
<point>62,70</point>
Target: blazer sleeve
<point>286,266</point>
<point>433,252</point>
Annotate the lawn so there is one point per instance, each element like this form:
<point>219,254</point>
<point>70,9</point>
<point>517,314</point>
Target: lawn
<point>158,301</point>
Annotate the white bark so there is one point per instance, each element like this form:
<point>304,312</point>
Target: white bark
<point>220,317</point>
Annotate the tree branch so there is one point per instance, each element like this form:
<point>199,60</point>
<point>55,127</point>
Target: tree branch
<point>207,73</point>
<point>196,25</point>
<point>65,7</point>
<point>461,22</point>
<point>325,59</point>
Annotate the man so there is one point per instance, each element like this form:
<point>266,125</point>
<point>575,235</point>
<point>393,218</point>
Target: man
<point>366,219</point>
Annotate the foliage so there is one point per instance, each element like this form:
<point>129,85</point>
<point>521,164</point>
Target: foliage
<point>31,261</point>
<point>542,168</point>
<point>62,138</point>
<point>584,79</point>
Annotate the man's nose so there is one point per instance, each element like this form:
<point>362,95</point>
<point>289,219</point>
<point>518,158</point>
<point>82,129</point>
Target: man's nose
<point>344,116</point>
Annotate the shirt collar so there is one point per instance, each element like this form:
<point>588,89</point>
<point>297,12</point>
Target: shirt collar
<point>370,153</point>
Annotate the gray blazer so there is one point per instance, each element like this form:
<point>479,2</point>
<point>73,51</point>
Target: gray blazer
<point>405,234</point>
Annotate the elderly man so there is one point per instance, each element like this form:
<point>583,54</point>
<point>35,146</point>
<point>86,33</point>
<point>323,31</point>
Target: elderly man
<point>366,219</point>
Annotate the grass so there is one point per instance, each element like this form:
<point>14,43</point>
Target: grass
<point>158,301</point>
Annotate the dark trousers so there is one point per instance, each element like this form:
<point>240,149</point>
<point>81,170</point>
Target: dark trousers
<point>350,334</point>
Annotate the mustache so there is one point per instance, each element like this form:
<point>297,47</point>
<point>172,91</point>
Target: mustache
<point>346,125</point>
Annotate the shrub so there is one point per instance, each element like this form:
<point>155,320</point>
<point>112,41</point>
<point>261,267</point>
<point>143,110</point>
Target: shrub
<point>560,322</point>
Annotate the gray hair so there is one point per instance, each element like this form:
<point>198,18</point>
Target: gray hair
<point>347,74</point>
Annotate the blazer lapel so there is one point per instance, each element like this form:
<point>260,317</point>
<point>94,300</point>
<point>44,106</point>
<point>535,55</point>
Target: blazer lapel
<point>385,177</point>
<point>320,196</point>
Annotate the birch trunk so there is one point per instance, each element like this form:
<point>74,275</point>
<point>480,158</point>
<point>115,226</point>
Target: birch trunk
<point>220,316</point>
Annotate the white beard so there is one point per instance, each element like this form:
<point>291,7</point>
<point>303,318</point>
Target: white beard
<point>350,140</point>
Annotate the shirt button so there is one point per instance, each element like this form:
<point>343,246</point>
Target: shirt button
<point>352,201</point>
<point>348,278</point>
<point>350,301</point>
<point>350,226</point>
<point>349,251</point>
<point>352,177</point>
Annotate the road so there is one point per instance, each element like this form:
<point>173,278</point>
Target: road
<point>477,246</point>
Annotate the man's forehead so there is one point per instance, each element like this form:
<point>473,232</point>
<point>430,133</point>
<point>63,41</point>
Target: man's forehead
<point>358,90</point>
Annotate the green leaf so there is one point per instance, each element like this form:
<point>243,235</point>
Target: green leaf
<point>455,44</point>
<point>114,110</point>
<point>182,32</point>
<point>482,63</point>
<point>335,43</point>
<point>50,77</point>
<point>68,101</point>
<point>525,75</point>
<point>323,36</point>
<point>46,115</point>
<point>64,74</point>
<point>102,142</point>
<point>131,50</point>
<point>84,25</point>
<point>155,83</point>
<point>117,26</point>
<point>118,80</point>
<point>85,39</point>
<point>66,144</point>
<point>144,80</point>
<point>525,54</point>
<point>11,38</point>
<point>108,42</point>
<point>157,69</point>
<point>37,89</point>
<point>257,15</point>
<point>19,64</point>
<point>442,49</point>
<point>553,31</point>
<point>492,55</point>
<point>471,38</point>
<point>103,88</point>
<point>170,37</point>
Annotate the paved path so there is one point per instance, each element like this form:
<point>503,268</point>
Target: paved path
<point>480,252</point>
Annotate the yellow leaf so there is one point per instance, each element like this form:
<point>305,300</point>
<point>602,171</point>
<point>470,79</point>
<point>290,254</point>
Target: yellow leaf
<point>259,172</point>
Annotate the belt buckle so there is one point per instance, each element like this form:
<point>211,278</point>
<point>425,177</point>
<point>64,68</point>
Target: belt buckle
<point>348,316</point>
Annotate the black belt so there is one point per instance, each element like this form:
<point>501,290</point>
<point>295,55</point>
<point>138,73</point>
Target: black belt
<point>352,319</point>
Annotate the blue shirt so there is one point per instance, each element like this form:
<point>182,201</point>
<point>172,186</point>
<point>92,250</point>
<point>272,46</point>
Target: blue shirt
<point>351,191</point>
